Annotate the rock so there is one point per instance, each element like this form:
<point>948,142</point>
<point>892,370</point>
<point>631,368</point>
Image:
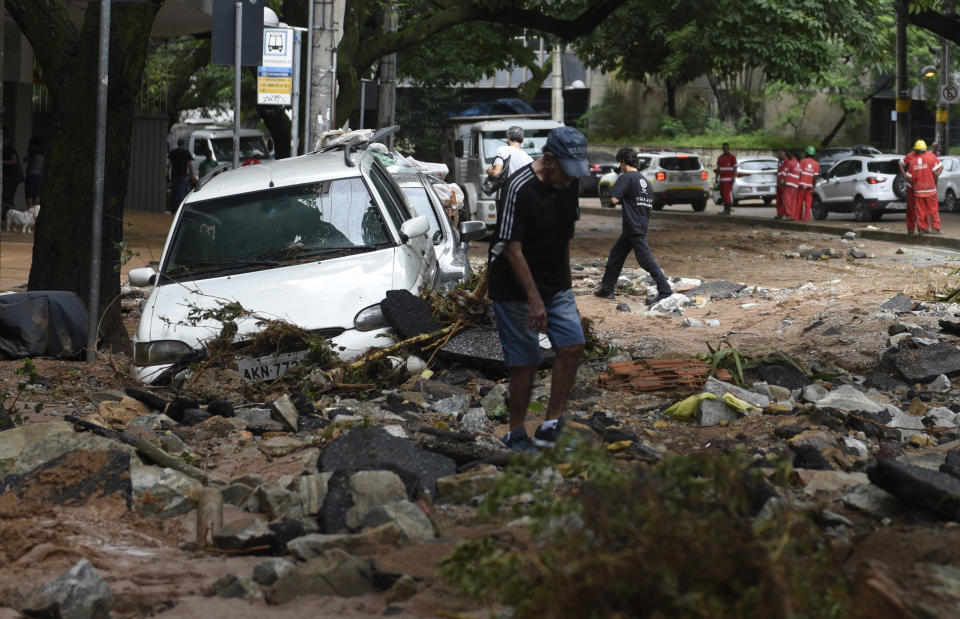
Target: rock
<point>74,479</point>
<point>395,430</point>
<point>333,573</point>
<point>415,365</point>
<point>673,303</point>
<point>171,443</point>
<point>254,415</point>
<point>233,586</point>
<point>849,235</point>
<point>379,540</point>
<point>873,500</point>
<point>278,446</point>
<point>855,447</point>
<point>925,363</point>
<point>827,481</point>
<point>691,322</point>
<point>784,375</point>
<point>269,571</point>
<point>814,392</point>
<point>778,393</point>
<point>951,464</point>
<point>496,397</point>
<point>462,487</point>
<point>884,382</point>
<point>374,449</point>
<point>194,416</point>
<point>407,516</point>
<point>712,412</point>
<point>402,590</point>
<point>243,533</point>
<point>809,457</point>
<point>939,384</point>
<point>919,487</point>
<point>453,406</point>
<point>222,408</point>
<point>716,290</point>
<point>24,448</point>
<point>623,307</point>
<point>857,254</point>
<point>162,493</point>
<point>124,411</point>
<point>719,387</point>
<point>904,426</point>
<point>474,420</point>
<point>762,388</point>
<point>78,593</point>
<point>283,410</point>
<point>899,303</point>
<point>279,503</point>
<point>813,438</point>
<point>849,398</point>
<point>922,440</point>
<point>312,489</point>
<point>712,322</point>
<point>368,489</point>
<point>940,417</point>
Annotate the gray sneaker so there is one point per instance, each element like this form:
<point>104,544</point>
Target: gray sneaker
<point>517,440</point>
<point>547,437</point>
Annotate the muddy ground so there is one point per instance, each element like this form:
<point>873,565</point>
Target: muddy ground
<point>812,310</point>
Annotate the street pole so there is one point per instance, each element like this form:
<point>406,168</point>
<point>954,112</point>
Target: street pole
<point>237,59</point>
<point>556,99</point>
<point>387,100</point>
<point>3,112</point>
<point>307,125</point>
<point>99,165</point>
<point>943,108</point>
<point>903,90</point>
<point>295,96</point>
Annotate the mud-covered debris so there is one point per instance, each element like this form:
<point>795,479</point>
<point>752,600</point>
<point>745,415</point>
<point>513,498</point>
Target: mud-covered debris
<point>79,593</point>
<point>383,539</point>
<point>233,586</point>
<point>333,573</point>
<point>721,289</point>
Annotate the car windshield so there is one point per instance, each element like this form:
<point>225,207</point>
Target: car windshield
<point>758,166</point>
<point>680,163</point>
<point>251,147</point>
<point>418,199</point>
<point>533,141</point>
<point>276,227</point>
<point>883,167</point>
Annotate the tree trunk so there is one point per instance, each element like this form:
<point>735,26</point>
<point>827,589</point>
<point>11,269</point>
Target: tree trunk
<point>671,98</point>
<point>279,126</point>
<point>61,249</point>
<point>538,73</point>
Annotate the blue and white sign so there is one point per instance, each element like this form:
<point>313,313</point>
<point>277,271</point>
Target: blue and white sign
<point>275,75</point>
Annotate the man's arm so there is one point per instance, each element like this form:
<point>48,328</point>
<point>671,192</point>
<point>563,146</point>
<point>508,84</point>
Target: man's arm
<point>537,312</point>
<point>495,169</point>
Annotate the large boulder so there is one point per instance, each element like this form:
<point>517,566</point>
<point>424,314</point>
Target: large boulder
<point>25,448</point>
<point>79,593</point>
<point>919,487</point>
<point>333,573</point>
<point>922,364</point>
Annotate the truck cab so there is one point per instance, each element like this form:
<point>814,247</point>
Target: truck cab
<point>471,147</point>
<point>255,146</point>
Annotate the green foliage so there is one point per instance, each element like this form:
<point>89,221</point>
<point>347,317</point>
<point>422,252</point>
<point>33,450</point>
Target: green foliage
<point>672,127</point>
<point>126,255</point>
<point>675,540</point>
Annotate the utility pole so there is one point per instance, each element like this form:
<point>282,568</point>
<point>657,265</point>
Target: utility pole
<point>943,107</point>
<point>903,91</point>
<point>322,58</point>
<point>556,97</point>
<point>387,95</point>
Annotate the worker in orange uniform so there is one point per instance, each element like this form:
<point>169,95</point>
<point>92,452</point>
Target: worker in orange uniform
<point>726,171</point>
<point>791,186</point>
<point>911,213</point>
<point>781,181</point>
<point>809,170</point>
<point>924,170</point>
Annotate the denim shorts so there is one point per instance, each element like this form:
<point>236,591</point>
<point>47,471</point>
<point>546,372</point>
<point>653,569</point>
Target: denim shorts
<point>521,344</point>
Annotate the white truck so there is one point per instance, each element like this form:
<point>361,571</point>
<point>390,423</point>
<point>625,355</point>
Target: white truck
<point>218,138</point>
<point>471,145</point>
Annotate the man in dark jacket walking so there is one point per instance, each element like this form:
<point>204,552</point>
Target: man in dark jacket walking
<point>633,191</point>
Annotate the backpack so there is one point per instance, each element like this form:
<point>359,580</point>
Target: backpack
<point>492,184</point>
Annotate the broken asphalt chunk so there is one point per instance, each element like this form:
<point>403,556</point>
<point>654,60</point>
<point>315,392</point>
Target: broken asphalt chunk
<point>716,290</point>
<point>407,314</point>
<point>920,487</point>
<point>899,303</point>
<point>922,364</point>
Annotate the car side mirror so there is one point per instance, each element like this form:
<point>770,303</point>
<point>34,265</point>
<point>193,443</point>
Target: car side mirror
<point>472,231</point>
<point>143,276</point>
<point>458,148</point>
<point>414,227</point>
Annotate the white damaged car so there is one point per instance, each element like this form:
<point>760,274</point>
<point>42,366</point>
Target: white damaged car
<point>315,241</point>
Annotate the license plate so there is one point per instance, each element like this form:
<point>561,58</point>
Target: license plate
<point>895,206</point>
<point>271,366</point>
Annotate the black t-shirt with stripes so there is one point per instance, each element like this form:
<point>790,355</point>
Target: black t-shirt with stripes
<point>542,219</point>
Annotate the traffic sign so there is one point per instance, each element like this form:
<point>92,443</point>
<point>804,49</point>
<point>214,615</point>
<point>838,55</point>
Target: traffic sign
<point>275,74</point>
<point>949,94</point>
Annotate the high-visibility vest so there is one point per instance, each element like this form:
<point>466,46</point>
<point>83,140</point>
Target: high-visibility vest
<point>923,169</point>
<point>726,167</point>
<point>809,168</point>
<point>792,170</point>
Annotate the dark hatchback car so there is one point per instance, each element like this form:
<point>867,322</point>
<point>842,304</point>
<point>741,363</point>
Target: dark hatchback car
<point>600,163</point>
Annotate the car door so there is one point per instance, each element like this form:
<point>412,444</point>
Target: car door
<point>838,185</point>
<point>418,250</point>
<point>847,180</point>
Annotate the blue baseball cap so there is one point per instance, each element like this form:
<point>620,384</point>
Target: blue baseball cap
<point>569,146</point>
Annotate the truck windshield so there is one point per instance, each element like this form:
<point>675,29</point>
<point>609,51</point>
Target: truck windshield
<point>533,141</point>
<point>251,147</point>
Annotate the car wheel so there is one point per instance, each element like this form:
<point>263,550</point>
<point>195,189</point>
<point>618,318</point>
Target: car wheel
<point>699,206</point>
<point>876,215</point>
<point>767,200</point>
<point>900,186</point>
<point>860,212</point>
<point>950,202</point>
<point>818,209</point>
<point>657,205</point>
<point>603,192</point>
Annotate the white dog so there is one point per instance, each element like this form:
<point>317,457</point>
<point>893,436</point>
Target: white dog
<point>24,219</point>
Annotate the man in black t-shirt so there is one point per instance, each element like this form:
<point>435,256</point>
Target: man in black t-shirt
<point>179,174</point>
<point>529,280</point>
<point>632,191</point>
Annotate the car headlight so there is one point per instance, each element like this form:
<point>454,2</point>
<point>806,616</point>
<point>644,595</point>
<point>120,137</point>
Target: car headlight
<point>159,352</point>
<point>370,318</point>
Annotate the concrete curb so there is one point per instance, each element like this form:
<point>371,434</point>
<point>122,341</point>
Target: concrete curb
<point>876,235</point>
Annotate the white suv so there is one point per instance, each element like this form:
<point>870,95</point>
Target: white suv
<point>316,241</point>
<point>675,178</point>
<point>866,185</point>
